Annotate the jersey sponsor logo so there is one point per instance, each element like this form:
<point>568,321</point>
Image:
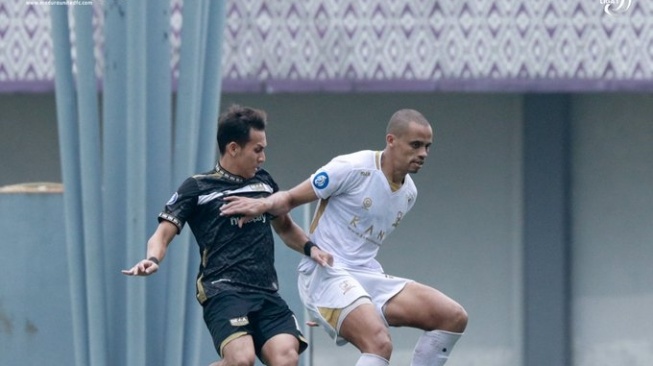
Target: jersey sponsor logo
<point>240,321</point>
<point>321,180</point>
<point>173,199</point>
<point>368,234</point>
<point>354,221</point>
<point>260,187</point>
<point>260,218</point>
<point>345,286</point>
<point>400,215</point>
<point>367,203</point>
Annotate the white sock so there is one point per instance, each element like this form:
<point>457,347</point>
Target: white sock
<point>369,359</point>
<point>433,348</point>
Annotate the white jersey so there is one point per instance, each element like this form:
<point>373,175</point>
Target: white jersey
<point>357,209</point>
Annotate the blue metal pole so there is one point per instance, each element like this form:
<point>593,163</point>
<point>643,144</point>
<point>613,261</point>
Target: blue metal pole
<point>136,179</point>
<point>184,163</point>
<point>159,108</point>
<point>193,316</point>
<point>89,138</point>
<point>69,149</point>
<point>206,152</point>
<point>159,167</point>
<point>114,160</point>
<point>188,93</point>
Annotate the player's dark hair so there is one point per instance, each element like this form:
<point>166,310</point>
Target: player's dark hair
<point>235,124</point>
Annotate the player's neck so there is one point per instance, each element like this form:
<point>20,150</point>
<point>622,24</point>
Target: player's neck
<point>395,179</point>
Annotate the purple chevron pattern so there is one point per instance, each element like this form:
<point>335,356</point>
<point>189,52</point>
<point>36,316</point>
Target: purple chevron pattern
<point>26,47</point>
<point>350,45</point>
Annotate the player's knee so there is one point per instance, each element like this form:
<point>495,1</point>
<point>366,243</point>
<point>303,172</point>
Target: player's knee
<point>380,343</point>
<point>285,357</point>
<point>452,318</point>
<point>458,319</point>
<point>241,359</point>
<point>385,346</point>
<point>374,339</point>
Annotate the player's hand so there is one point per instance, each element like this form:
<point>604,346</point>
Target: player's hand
<point>143,268</point>
<point>321,257</point>
<point>248,208</point>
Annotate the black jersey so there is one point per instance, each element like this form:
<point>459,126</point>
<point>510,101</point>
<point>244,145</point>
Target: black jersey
<point>231,257</point>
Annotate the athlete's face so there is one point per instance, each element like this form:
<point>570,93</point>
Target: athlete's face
<point>251,156</point>
<point>411,148</point>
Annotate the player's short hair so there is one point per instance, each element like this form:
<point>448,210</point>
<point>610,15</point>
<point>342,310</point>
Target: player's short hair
<point>402,118</point>
<point>235,124</point>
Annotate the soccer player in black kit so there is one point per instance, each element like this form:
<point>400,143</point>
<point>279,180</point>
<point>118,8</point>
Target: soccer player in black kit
<point>237,282</point>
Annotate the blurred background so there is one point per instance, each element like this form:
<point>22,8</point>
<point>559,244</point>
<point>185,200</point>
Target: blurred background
<point>535,206</point>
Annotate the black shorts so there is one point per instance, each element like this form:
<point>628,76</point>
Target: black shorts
<point>231,314</point>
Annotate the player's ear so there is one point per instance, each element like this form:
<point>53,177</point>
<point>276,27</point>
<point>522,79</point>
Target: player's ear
<point>232,148</point>
<point>389,139</point>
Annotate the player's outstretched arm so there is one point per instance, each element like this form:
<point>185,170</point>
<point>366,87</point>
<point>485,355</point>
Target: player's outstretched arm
<point>145,267</point>
<point>277,204</point>
<point>157,246</point>
<point>295,238</point>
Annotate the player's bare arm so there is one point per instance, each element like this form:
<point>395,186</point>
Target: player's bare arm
<point>295,238</point>
<point>157,246</point>
<point>277,204</point>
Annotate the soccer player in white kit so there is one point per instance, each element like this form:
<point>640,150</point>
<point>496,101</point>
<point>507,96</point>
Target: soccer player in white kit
<point>362,197</point>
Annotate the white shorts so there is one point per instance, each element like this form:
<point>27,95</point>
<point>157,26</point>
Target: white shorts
<point>328,292</point>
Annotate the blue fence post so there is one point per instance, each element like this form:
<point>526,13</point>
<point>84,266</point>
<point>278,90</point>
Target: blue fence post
<point>159,167</point>
<point>136,179</point>
<point>69,149</point>
<point>114,161</point>
<point>180,308</point>
<point>89,142</point>
<point>210,67</point>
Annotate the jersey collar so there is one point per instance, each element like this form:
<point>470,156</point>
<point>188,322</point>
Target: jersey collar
<point>222,173</point>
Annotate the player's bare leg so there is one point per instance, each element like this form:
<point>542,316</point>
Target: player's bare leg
<point>239,351</point>
<point>281,350</point>
<point>365,329</point>
<point>442,319</point>
<point>423,307</point>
